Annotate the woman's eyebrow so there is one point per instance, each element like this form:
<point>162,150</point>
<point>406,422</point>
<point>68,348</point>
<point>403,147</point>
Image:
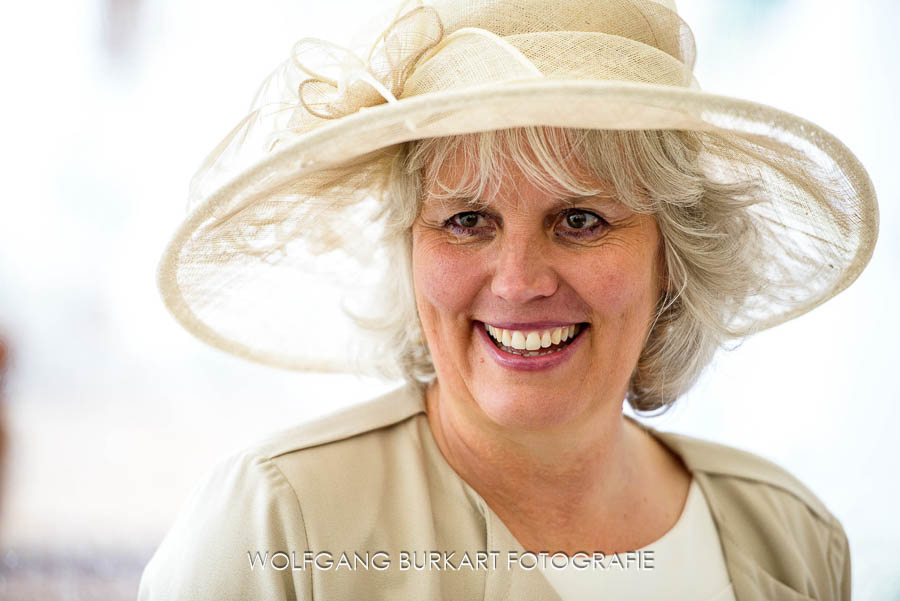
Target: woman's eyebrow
<point>606,201</point>
<point>561,197</point>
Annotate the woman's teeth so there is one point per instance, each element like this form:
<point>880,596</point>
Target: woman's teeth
<point>534,340</point>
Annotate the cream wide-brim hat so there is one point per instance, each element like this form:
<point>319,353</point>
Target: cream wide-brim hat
<point>282,236</point>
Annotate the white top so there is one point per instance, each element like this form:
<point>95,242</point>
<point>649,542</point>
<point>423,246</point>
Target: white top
<point>686,564</point>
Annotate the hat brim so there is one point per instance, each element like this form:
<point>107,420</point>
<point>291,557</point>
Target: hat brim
<point>835,238</point>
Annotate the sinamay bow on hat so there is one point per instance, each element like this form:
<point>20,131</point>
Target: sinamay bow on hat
<point>284,225</point>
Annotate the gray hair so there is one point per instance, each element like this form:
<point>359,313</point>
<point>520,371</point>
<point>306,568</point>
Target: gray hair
<point>710,243</point>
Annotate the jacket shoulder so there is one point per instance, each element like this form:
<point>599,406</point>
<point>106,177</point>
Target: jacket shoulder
<point>276,495</point>
<point>238,514</point>
<point>716,459</point>
<point>375,415</point>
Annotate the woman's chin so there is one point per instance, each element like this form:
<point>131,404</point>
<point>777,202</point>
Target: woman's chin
<point>525,409</point>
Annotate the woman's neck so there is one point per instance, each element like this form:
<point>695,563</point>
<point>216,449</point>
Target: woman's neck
<point>589,485</point>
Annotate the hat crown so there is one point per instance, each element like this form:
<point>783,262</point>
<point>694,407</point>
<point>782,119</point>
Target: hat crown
<point>652,22</point>
<point>496,41</point>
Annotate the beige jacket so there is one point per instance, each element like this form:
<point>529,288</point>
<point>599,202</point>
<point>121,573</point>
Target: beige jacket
<point>371,480</point>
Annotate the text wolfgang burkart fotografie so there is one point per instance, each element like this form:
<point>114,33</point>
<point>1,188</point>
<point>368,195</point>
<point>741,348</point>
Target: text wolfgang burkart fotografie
<point>449,561</point>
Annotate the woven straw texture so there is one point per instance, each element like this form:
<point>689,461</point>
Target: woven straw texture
<point>282,237</point>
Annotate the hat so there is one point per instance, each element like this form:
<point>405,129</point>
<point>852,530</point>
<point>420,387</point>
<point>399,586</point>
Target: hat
<point>282,234</point>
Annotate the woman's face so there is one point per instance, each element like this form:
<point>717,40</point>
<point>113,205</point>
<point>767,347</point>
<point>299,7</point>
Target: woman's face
<point>500,290</point>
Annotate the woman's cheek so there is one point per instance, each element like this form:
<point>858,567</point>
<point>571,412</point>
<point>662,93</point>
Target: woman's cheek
<point>446,276</point>
<point>620,285</point>
<point>617,292</point>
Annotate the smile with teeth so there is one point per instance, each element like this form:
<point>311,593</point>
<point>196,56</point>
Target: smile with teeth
<point>533,343</point>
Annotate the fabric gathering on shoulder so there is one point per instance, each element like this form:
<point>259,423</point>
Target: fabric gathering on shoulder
<point>242,506</point>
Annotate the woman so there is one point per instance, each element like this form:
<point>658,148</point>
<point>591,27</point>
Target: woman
<point>530,212</point>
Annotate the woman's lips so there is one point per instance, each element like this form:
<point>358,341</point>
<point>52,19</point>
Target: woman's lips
<point>520,362</point>
<point>532,325</point>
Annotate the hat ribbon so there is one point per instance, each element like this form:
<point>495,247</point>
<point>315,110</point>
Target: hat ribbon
<point>357,84</point>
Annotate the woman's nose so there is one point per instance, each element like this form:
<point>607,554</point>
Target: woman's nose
<point>523,271</point>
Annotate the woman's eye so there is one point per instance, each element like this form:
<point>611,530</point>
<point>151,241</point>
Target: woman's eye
<point>581,221</point>
<point>469,220</point>
<point>574,223</point>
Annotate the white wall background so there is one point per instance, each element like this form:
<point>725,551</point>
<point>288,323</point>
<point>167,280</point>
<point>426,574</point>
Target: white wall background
<point>114,411</point>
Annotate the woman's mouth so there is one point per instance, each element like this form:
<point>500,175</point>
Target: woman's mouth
<point>533,343</point>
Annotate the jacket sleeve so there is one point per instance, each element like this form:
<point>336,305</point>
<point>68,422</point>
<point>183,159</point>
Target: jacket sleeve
<point>227,542</point>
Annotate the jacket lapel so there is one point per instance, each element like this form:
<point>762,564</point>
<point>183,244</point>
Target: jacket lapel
<point>515,582</point>
<point>751,580</point>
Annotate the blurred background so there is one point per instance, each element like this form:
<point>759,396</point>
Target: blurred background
<point>111,412</point>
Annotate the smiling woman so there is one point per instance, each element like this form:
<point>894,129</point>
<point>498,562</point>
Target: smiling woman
<point>557,221</point>
<point>523,268</point>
